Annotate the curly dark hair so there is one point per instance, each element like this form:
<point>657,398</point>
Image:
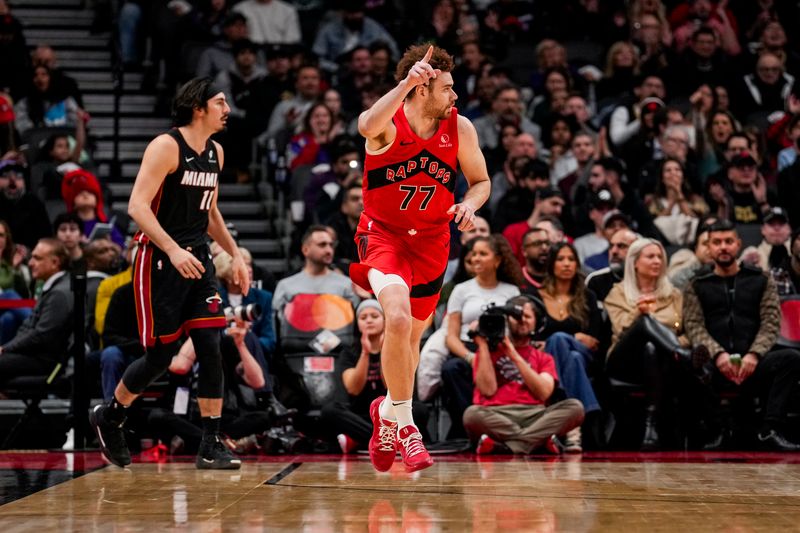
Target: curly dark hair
<point>577,290</point>
<point>509,270</point>
<point>439,59</point>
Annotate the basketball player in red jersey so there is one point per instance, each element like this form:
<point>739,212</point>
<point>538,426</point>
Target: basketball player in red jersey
<point>415,142</point>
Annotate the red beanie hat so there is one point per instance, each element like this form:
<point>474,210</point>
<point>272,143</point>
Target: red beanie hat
<point>79,180</point>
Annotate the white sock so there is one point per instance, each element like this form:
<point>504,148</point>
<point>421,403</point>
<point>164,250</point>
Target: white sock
<point>385,409</point>
<point>402,410</point>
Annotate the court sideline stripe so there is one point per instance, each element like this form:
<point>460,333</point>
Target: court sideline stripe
<point>282,474</point>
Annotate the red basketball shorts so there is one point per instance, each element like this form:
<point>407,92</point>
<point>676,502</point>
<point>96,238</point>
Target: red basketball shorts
<point>419,258</point>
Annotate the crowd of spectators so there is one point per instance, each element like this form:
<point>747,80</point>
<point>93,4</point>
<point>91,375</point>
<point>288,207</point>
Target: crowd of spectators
<point>644,167</point>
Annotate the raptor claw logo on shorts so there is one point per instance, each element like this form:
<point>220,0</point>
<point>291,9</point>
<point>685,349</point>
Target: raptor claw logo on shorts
<point>214,303</point>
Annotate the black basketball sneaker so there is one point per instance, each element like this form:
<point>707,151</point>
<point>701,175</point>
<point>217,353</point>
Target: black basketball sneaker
<point>214,455</point>
<point>111,438</point>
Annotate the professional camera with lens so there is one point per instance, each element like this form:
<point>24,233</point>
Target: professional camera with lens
<point>492,323</point>
<point>245,313</point>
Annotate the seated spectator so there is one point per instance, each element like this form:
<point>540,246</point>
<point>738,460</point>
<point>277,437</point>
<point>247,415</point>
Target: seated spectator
<point>547,202</point>
<point>764,91</point>
<point>773,252</point>
<point>356,77</point>
<point>121,343</point>
<point>109,286</point>
<point>12,277</point>
<point>529,177</point>
<point>309,147</point>
<point>316,277</point>
<point>600,204</point>
<point>506,109</point>
<point>686,263</point>
<point>279,83</point>
<point>507,162</point>
<point>44,336</point>
<point>273,21</point>
<point>720,128</point>
<point>231,295</point>
<point>676,209</point>
<point>619,76</point>
<point>603,280</point>
<point>346,30</point>
<point>24,212</point>
<point>67,229</point>
<point>686,16</point>
<point>243,417</point>
<point>626,117</point>
<point>102,258</point>
<point>62,83</point>
<point>323,193</point>
<point>14,285</point>
<point>794,262</point>
<point>788,155</point>
<point>675,143</point>
<point>480,228</point>
<point>572,330</point>
<point>536,250</point>
<point>345,222</point>
<point>362,377</point>
<point>287,116</point>
<point>645,313</point>
<point>219,56</point>
<point>83,196</point>
<point>734,312</point>
<point>513,386</point>
<point>497,278</point>
<point>48,106</point>
<point>243,84</point>
<point>57,159</point>
<point>747,198</point>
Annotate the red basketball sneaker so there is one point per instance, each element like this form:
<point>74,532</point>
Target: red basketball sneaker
<point>415,456</point>
<point>383,444</point>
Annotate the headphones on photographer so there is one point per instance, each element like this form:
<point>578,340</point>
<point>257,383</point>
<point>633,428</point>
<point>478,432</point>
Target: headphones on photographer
<point>539,311</point>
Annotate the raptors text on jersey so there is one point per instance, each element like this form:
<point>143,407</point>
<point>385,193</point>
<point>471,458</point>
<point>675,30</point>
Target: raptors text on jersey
<point>409,185</point>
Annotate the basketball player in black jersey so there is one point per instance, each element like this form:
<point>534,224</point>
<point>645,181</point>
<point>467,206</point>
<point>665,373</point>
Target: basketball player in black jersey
<point>174,202</point>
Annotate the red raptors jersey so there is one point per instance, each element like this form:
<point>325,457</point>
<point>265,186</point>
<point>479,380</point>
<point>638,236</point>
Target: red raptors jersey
<point>410,185</point>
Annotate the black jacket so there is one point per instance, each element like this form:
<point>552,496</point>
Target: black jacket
<point>46,333</point>
<point>743,319</point>
<point>121,328</point>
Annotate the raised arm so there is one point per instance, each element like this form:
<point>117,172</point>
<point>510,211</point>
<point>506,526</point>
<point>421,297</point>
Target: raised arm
<point>375,124</point>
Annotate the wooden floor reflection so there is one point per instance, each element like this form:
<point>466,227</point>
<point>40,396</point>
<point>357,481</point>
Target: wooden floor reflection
<point>348,496</point>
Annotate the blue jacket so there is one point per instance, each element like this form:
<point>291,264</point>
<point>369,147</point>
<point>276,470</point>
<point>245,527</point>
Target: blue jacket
<point>262,328</point>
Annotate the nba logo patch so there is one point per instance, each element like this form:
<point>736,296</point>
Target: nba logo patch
<point>159,265</point>
<point>214,303</point>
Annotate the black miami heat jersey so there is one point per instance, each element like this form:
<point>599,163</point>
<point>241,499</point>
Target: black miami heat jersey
<point>409,185</point>
<point>182,203</point>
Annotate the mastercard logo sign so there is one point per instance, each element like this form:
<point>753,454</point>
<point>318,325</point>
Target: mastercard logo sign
<point>313,312</point>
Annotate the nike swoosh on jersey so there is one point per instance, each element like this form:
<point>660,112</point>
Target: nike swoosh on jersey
<point>188,159</point>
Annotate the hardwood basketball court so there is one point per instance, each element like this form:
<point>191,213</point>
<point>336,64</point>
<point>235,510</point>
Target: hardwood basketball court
<point>596,492</point>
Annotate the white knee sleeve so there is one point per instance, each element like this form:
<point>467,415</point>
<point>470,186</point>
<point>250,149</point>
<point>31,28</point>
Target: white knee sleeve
<point>379,281</point>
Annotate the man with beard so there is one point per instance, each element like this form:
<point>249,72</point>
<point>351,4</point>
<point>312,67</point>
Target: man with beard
<point>347,31</point>
<point>546,202</point>
<point>601,281</point>
<point>536,250</point>
<point>734,311</point>
<point>24,212</point>
<point>506,108</point>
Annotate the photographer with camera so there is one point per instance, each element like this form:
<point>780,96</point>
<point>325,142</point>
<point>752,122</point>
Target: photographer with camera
<point>260,299</point>
<point>513,382</point>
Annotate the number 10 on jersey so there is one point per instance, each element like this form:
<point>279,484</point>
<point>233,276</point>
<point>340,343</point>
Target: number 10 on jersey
<point>208,197</point>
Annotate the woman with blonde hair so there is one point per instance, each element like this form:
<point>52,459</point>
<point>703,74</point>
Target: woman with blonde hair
<point>621,70</point>
<point>646,317</point>
<point>231,295</point>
